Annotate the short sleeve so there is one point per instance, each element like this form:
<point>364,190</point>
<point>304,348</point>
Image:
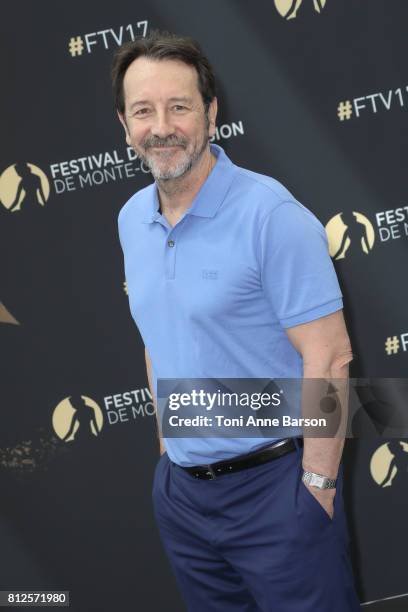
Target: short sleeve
<point>297,273</point>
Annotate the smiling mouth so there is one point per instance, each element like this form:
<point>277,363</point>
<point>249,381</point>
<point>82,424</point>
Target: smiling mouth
<point>161,148</point>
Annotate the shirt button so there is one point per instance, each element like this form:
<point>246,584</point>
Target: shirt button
<point>170,243</point>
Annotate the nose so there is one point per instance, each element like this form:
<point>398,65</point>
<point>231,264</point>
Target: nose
<point>161,125</point>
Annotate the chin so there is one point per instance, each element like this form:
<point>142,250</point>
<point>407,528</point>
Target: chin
<point>173,173</point>
<point>169,171</point>
<point>167,176</point>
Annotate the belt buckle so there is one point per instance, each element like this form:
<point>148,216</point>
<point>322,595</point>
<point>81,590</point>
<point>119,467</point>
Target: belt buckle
<point>210,472</point>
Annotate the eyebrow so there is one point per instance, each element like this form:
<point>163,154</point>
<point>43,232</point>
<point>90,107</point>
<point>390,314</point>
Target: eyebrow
<point>173,99</point>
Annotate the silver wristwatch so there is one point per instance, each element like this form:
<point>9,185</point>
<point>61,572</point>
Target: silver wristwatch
<point>318,480</point>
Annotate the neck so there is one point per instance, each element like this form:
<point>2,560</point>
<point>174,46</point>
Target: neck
<point>177,195</point>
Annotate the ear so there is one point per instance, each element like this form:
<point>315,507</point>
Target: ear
<point>125,127</point>
<point>212,115</point>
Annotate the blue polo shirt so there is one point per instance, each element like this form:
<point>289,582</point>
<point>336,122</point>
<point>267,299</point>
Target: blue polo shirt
<point>213,295</point>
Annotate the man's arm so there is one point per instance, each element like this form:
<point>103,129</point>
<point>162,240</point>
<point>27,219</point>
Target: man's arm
<point>149,378</point>
<point>326,351</point>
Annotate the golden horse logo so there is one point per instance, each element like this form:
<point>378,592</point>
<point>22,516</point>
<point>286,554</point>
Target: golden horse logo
<point>289,8</point>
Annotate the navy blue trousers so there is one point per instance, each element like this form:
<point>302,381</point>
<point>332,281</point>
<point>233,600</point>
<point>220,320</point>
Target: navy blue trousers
<point>254,541</point>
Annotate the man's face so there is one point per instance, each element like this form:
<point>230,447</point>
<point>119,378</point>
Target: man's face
<point>165,120</point>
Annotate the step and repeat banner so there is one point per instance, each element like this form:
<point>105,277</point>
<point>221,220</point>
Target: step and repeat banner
<point>313,93</point>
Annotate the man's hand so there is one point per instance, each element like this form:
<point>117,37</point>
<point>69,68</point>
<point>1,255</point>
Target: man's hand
<point>325,497</point>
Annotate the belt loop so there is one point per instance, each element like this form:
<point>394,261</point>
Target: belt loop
<point>298,446</point>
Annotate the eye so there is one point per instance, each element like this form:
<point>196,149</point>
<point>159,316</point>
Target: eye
<point>179,107</point>
<point>142,111</point>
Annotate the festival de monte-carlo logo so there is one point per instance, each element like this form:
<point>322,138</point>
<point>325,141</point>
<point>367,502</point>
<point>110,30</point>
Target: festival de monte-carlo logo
<point>79,418</point>
<point>389,465</point>
<point>351,234</point>
<point>289,8</point>
<point>23,184</point>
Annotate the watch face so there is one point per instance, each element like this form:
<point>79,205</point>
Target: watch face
<point>317,481</point>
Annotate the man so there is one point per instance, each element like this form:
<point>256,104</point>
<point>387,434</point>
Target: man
<point>229,277</point>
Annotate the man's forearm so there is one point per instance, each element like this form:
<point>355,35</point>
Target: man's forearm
<point>150,380</point>
<point>323,455</point>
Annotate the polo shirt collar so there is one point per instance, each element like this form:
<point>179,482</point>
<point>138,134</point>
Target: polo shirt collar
<point>211,194</point>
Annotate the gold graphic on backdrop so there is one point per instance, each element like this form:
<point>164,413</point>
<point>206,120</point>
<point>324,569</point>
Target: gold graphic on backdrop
<point>6,316</point>
<point>35,453</point>
<point>389,464</point>
<point>349,234</point>
<point>77,418</point>
<point>23,185</point>
<point>289,8</point>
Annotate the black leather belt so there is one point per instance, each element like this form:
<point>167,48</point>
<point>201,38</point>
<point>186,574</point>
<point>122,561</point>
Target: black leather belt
<point>243,462</point>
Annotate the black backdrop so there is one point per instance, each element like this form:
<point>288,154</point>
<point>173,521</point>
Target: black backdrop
<point>76,515</point>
